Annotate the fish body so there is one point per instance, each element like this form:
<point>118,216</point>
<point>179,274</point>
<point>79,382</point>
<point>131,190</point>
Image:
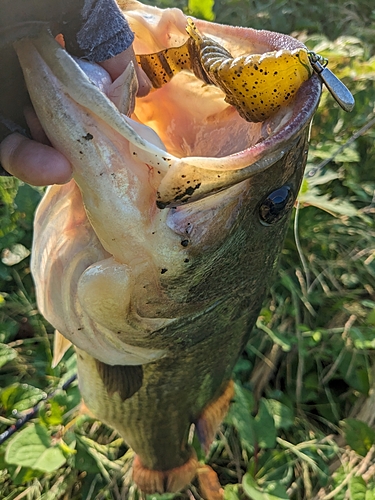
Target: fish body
<point>155,259</point>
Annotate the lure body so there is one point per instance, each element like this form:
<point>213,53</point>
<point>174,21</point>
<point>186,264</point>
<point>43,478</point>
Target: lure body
<point>258,86</point>
<point>154,261</point>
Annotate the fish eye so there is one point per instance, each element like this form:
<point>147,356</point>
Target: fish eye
<point>276,205</point>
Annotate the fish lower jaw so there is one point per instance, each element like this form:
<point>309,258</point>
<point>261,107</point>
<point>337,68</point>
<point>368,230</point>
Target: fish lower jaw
<point>165,481</point>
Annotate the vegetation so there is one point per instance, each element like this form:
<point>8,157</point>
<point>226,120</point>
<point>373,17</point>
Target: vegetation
<point>302,424</point>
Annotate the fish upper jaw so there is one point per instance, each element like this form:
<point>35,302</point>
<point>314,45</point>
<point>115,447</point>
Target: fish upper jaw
<point>117,162</point>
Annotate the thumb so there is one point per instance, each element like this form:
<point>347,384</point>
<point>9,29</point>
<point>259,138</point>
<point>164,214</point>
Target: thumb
<point>32,162</point>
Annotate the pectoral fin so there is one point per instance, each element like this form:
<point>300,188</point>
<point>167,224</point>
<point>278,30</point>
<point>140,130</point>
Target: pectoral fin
<point>212,416</point>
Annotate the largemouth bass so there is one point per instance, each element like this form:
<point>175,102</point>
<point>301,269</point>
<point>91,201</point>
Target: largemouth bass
<point>154,261</point>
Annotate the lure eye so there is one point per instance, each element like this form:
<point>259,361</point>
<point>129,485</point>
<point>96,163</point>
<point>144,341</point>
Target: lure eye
<point>276,205</point>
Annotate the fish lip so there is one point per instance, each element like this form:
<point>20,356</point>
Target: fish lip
<point>242,165</point>
<point>263,40</point>
<point>304,106</point>
<point>55,61</point>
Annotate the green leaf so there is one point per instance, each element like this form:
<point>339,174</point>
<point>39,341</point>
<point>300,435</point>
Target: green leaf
<point>8,189</point>
<point>357,488</point>
<point>330,150</point>
<point>197,445</point>
<point>202,9</point>
<point>240,417</point>
<point>20,397</point>
<point>6,354</point>
<point>370,493</point>
<point>243,369</point>
<point>318,178</point>
<point>334,206</point>
<point>370,319</point>
<point>32,448</point>
<point>19,475</point>
<point>282,414</point>
<point>231,492</point>
<point>22,475</point>
<point>84,460</point>
<point>8,330</point>
<point>27,199</point>
<point>359,380</point>
<point>271,491</point>
<point>359,436</point>
<point>264,427</point>
<point>52,413</point>
<point>69,399</point>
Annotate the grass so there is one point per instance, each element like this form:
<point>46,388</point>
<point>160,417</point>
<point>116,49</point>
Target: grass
<point>302,423</point>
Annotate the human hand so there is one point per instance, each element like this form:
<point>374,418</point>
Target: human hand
<point>36,161</point>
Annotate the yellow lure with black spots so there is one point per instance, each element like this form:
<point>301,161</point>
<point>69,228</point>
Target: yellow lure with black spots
<point>257,85</point>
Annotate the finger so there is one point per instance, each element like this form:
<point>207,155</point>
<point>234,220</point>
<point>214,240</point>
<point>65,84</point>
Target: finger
<point>116,66</point>
<point>32,162</point>
<point>36,129</point>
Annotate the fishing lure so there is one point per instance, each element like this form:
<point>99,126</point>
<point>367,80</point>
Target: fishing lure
<point>257,85</point>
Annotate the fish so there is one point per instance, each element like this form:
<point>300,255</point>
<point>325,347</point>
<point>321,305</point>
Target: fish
<point>155,258</point>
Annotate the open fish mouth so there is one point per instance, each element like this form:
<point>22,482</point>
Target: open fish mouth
<point>155,259</point>
<point>192,118</point>
<point>200,127</point>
